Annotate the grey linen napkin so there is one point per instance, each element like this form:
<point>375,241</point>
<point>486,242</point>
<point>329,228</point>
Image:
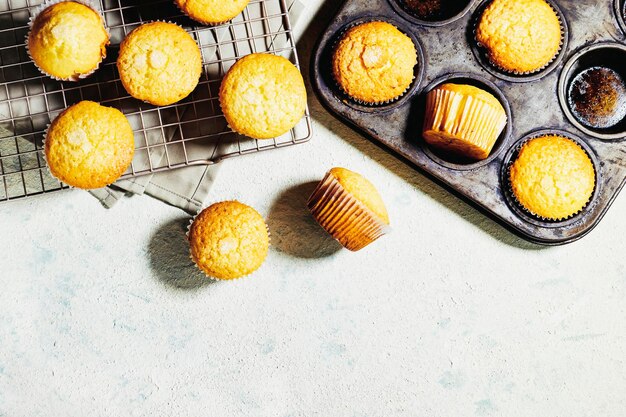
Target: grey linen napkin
<point>186,188</point>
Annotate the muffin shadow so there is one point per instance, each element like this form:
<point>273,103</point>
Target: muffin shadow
<point>293,229</point>
<point>168,254</point>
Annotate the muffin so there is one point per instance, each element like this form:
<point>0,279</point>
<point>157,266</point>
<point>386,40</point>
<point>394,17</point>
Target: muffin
<point>228,240</point>
<point>67,40</point>
<point>520,36</point>
<point>463,120</point>
<point>552,177</point>
<point>159,63</point>
<point>212,12</point>
<point>349,208</point>
<point>263,96</point>
<point>374,63</point>
<point>89,146</point>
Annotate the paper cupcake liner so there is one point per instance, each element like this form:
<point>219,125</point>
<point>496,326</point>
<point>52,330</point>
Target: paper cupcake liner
<point>495,66</point>
<point>37,10</point>
<point>511,194</point>
<point>480,124</point>
<point>193,219</point>
<point>367,103</point>
<point>344,217</point>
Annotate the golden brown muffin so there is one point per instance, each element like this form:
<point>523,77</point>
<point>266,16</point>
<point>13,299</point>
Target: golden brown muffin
<point>374,62</point>
<point>520,36</point>
<point>463,120</point>
<point>552,177</point>
<point>350,208</point>
<point>68,41</point>
<point>263,96</point>
<point>212,12</point>
<point>89,146</point>
<point>159,63</point>
<point>228,240</point>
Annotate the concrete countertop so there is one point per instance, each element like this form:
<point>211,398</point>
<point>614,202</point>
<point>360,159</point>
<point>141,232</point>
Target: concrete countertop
<point>102,312</point>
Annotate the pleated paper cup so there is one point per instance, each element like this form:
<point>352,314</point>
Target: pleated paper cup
<point>344,217</point>
<point>37,11</point>
<point>462,124</point>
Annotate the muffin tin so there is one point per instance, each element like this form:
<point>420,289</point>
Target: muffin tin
<point>535,104</point>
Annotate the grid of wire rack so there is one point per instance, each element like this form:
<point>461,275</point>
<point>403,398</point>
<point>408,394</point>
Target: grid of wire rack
<point>191,132</point>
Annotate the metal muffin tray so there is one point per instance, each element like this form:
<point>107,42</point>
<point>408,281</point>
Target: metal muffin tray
<point>593,34</point>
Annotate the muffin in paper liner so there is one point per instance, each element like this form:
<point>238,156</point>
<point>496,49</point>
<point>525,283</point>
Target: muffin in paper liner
<point>207,22</point>
<point>233,269</point>
<point>463,120</point>
<point>162,97</point>
<point>484,50</point>
<point>262,96</point>
<point>76,76</point>
<point>92,181</point>
<point>343,216</point>
<point>510,186</point>
<point>352,97</point>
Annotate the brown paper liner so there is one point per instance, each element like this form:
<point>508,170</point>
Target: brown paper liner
<point>344,217</point>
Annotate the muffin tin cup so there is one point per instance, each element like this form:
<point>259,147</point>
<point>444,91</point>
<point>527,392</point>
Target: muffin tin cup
<point>518,207</point>
<point>503,139</point>
<point>344,217</point>
<point>604,54</point>
<point>44,6</point>
<point>418,71</point>
<point>518,77</point>
<point>619,8</point>
<point>403,11</point>
<point>212,278</point>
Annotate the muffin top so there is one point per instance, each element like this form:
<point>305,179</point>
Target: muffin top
<point>89,146</point>
<point>228,240</point>
<point>263,96</point>
<point>159,63</point>
<point>363,190</point>
<point>520,36</point>
<point>212,12</point>
<point>552,177</point>
<point>374,62</point>
<point>68,40</point>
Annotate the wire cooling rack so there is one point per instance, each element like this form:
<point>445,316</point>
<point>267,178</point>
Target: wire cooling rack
<point>191,132</point>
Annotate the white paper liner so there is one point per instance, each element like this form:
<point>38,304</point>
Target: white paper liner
<point>524,73</point>
<point>37,10</point>
<point>367,103</point>
<point>513,197</point>
<point>193,219</point>
<point>344,217</point>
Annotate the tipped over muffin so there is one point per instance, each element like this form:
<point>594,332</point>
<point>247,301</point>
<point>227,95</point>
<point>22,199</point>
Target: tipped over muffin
<point>349,208</point>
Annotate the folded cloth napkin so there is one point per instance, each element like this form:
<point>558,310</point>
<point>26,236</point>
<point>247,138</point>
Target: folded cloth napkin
<point>186,188</point>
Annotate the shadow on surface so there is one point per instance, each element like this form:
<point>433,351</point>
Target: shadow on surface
<point>168,252</point>
<point>293,229</point>
<point>305,46</point>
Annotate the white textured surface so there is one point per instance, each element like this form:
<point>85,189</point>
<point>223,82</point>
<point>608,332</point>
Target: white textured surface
<point>102,314</point>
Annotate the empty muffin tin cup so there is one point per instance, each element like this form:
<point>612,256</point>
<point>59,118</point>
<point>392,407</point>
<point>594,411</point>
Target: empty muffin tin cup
<point>432,12</point>
<point>481,53</point>
<point>452,161</point>
<point>606,55</point>
<point>517,207</point>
